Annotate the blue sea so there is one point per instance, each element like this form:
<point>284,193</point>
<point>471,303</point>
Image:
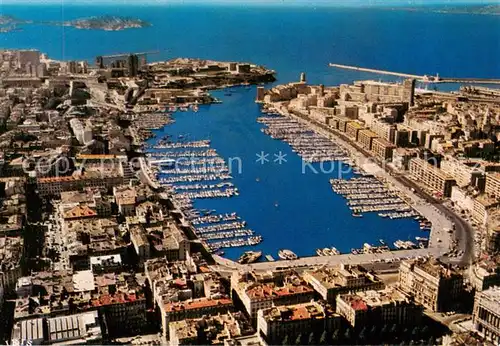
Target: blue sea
<point>289,209</point>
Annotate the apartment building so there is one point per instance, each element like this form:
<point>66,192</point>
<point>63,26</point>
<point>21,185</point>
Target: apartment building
<point>486,314</point>
<point>382,148</point>
<point>431,284</point>
<point>352,129</point>
<point>431,176</point>
<point>493,185</point>
<point>265,291</point>
<point>276,323</point>
<point>388,306</point>
<point>330,282</point>
<point>54,186</point>
<point>366,137</point>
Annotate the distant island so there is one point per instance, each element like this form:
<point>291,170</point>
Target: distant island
<point>8,23</point>
<point>107,23</point>
<point>493,9</point>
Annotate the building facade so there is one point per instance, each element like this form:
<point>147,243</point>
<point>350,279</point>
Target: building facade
<point>431,284</point>
<point>486,314</point>
<point>431,176</point>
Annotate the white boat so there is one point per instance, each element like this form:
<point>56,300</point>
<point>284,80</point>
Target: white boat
<point>335,252</point>
<point>327,252</point>
<point>286,254</point>
<point>399,244</point>
<point>319,252</point>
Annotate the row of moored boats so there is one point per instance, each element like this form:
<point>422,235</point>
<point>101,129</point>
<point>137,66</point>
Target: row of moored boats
<point>192,170</point>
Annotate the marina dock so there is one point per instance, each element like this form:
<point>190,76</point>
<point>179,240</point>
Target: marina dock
<point>309,145</point>
<point>270,258</point>
<point>367,194</point>
<point>193,170</point>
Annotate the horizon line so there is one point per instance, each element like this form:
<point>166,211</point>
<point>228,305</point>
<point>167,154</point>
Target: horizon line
<point>263,3</point>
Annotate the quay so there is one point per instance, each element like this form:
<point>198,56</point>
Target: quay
<point>425,78</point>
<point>304,262</point>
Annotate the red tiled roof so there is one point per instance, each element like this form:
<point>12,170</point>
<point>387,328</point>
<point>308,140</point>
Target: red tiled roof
<point>79,212</point>
<point>268,291</point>
<point>119,298</point>
<point>358,304</point>
<point>196,304</point>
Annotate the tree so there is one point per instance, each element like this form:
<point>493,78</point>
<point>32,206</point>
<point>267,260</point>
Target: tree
<point>424,332</point>
<point>347,335</point>
<point>406,334</point>
<point>415,333</point>
<point>312,339</point>
<point>362,334</point>
<point>298,341</point>
<point>384,331</point>
<point>336,337</point>
<point>323,340</point>
<point>373,333</point>
<point>285,341</point>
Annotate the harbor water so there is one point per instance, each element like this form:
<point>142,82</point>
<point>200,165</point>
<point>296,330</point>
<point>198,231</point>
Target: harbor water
<point>288,204</point>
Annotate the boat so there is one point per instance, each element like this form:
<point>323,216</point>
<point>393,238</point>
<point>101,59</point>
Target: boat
<point>319,252</point>
<point>250,257</point>
<point>286,254</point>
<point>195,108</point>
<point>381,241</point>
<point>421,239</point>
<point>356,214</point>
<point>354,251</point>
<point>399,244</point>
<point>334,251</point>
<point>327,252</point>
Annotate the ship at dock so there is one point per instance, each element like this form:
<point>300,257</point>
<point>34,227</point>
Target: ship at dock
<point>285,254</point>
<point>250,257</point>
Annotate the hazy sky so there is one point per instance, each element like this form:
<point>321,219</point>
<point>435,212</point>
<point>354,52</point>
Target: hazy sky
<point>260,2</point>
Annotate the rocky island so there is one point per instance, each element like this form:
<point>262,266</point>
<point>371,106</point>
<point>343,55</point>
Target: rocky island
<point>107,23</point>
<point>9,23</point>
<point>491,9</point>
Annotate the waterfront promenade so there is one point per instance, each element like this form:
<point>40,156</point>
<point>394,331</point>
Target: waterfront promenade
<point>372,259</point>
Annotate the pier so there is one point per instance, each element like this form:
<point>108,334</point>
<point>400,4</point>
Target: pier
<point>424,78</point>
